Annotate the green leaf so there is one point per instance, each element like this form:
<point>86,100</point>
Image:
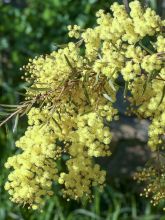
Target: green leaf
<point>162,97</point>
<point>57,124</point>
<point>41,83</point>
<point>9,106</point>
<point>125,89</point>
<point>69,63</point>
<point>148,80</point>
<point>9,109</point>
<point>111,85</point>
<point>15,123</point>
<point>86,94</point>
<point>145,48</point>
<point>4,114</point>
<point>97,79</point>
<point>57,46</point>
<point>150,77</point>
<point>107,97</point>
<point>27,109</point>
<point>86,77</point>
<point>38,89</point>
<point>87,213</point>
<point>78,43</point>
<point>87,112</point>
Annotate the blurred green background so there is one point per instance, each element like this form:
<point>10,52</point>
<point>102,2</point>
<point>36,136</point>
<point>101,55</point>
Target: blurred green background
<point>32,27</point>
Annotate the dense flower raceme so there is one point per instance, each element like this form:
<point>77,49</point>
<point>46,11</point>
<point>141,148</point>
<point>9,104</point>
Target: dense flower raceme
<point>74,90</point>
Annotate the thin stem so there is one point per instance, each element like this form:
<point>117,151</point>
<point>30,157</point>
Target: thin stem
<point>160,78</point>
<point>10,116</point>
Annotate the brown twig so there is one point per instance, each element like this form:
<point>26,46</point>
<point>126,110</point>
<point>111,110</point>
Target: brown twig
<point>10,116</point>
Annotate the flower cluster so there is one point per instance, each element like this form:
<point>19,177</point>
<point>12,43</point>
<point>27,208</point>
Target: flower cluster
<point>34,169</point>
<point>155,178</point>
<point>74,90</point>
